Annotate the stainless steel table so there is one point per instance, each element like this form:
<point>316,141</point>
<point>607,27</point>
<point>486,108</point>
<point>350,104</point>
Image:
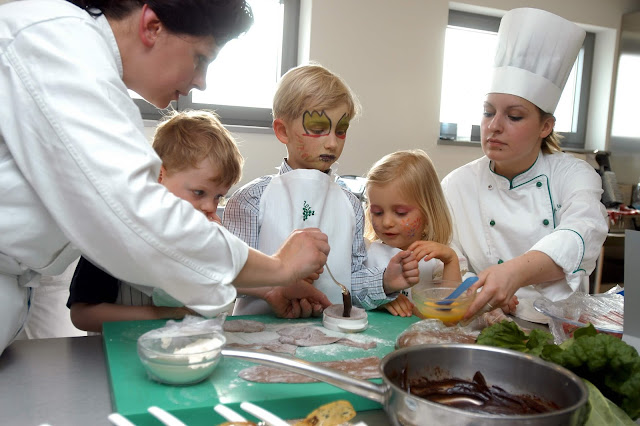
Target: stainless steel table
<point>64,382</point>
<point>54,381</point>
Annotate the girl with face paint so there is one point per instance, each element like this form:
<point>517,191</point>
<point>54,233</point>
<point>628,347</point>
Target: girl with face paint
<point>407,211</point>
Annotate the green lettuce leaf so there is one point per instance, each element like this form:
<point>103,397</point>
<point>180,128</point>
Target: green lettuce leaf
<point>507,334</point>
<point>610,364</point>
<point>603,411</point>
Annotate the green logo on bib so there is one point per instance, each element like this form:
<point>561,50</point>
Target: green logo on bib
<point>306,211</point>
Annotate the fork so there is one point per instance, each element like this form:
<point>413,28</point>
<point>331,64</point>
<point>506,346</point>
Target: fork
<point>344,289</point>
<point>346,296</point>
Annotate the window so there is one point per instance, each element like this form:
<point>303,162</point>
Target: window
<point>241,81</point>
<point>625,110</point>
<point>470,44</point>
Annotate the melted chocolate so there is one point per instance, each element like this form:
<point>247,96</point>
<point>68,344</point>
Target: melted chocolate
<point>346,302</point>
<point>476,396</point>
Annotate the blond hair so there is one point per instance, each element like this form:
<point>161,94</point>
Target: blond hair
<point>312,86</point>
<point>187,137</point>
<point>419,182</point>
<point>551,143</point>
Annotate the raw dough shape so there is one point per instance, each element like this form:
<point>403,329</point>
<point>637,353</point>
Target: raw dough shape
<point>355,344</point>
<point>420,337</point>
<point>272,346</point>
<point>305,336</point>
<point>361,368</point>
<point>335,311</point>
<point>243,326</point>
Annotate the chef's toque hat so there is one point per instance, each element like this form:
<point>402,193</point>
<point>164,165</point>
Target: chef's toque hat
<point>536,51</point>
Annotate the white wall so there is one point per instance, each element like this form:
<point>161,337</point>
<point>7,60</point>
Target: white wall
<point>391,53</point>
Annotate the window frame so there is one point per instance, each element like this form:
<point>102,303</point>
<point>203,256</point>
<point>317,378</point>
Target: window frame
<point>573,140</point>
<point>241,115</point>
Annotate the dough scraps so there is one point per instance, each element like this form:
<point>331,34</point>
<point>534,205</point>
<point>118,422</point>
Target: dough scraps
<point>272,346</point>
<point>305,336</point>
<point>420,337</point>
<point>355,344</point>
<point>311,336</point>
<point>361,368</point>
<point>243,326</point>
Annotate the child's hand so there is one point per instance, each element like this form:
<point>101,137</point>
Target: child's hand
<point>300,300</point>
<point>428,250</point>
<point>402,306</point>
<point>402,272</point>
<point>510,308</point>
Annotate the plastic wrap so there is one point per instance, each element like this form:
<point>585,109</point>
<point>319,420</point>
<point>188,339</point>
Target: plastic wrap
<point>605,311</point>
<point>435,331</point>
<point>182,353</point>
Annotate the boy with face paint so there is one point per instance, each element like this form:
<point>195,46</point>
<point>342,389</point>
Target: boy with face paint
<point>312,109</point>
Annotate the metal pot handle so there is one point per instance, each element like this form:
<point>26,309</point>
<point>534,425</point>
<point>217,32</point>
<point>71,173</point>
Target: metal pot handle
<point>336,378</point>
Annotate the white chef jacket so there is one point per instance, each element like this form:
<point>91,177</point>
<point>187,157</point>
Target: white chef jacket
<point>553,207</point>
<point>77,172</point>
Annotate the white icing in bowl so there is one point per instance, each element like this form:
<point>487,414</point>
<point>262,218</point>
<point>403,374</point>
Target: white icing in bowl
<point>180,360</point>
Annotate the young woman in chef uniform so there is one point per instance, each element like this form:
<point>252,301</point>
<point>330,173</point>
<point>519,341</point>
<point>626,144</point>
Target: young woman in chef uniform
<point>526,216</point>
<point>79,176</point>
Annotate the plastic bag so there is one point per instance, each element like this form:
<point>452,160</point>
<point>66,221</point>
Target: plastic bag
<point>605,311</point>
<point>189,326</point>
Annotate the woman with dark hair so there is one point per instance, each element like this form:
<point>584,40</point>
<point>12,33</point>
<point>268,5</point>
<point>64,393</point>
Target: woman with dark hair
<point>79,176</point>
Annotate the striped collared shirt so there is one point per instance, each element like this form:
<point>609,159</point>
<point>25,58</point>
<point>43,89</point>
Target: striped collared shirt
<point>241,218</point>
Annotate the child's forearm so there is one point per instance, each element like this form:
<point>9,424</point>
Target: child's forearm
<point>255,292</point>
<point>90,317</point>
<point>451,270</point>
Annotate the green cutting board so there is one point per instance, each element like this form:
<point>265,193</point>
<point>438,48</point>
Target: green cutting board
<point>133,392</point>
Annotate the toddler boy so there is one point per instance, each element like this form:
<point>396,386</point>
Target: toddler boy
<point>200,162</point>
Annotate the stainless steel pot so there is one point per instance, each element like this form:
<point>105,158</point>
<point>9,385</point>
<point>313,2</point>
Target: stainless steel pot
<point>513,371</point>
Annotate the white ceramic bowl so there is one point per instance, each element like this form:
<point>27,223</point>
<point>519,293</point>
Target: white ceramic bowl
<point>180,360</point>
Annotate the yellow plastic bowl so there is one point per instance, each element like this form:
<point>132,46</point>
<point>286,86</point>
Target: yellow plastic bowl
<point>427,295</point>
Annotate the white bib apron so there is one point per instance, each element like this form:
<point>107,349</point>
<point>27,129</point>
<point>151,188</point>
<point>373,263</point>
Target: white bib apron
<point>379,255</point>
<point>306,199</point>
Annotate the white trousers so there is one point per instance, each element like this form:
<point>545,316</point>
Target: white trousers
<point>49,316</point>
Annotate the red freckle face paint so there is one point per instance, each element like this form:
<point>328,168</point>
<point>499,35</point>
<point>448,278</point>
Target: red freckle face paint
<point>414,228</point>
